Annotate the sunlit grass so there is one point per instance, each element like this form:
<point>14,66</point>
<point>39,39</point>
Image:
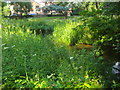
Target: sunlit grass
<point>37,61</point>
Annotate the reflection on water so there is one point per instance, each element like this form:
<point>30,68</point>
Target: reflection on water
<point>82,46</point>
<point>109,53</point>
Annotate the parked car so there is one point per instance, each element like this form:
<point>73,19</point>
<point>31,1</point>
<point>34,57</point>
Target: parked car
<point>33,14</point>
<point>14,15</point>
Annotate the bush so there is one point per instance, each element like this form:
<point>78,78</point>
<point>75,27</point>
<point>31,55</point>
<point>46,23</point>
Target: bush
<point>63,31</point>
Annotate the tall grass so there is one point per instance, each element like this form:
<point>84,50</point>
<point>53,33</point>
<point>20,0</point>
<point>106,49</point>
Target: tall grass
<point>30,61</point>
<point>63,31</point>
<point>36,61</point>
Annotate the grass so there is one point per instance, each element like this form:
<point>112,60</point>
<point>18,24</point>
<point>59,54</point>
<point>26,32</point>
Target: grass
<point>36,61</point>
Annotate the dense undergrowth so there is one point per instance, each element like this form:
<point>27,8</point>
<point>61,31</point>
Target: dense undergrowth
<point>36,55</point>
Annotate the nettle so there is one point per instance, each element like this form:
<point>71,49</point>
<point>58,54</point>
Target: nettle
<point>34,61</point>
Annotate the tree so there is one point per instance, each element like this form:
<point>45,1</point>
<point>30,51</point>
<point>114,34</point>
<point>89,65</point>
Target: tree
<point>22,7</point>
<point>61,9</point>
<point>3,4</point>
<point>111,8</point>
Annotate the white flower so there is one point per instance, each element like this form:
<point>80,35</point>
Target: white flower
<point>71,57</point>
<point>12,46</point>
<point>50,75</point>
<point>34,54</point>
<point>80,67</point>
<point>6,47</point>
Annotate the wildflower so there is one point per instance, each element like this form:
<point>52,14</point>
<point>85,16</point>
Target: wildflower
<point>12,46</point>
<point>6,47</point>
<point>71,57</point>
<point>50,75</point>
<point>34,54</point>
<point>80,67</point>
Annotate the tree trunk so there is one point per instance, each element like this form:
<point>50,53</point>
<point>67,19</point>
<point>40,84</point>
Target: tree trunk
<point>51,13</point>
<point>10,13</point>
<point>66,15</point>
<point>96,4</point>
<point>87,5</point>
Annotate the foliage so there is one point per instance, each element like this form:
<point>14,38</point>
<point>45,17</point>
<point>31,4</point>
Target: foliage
<point>46,61</point>
<point>6,11</point>
<point>112,7</point>
<point>3,4</point>
<point>22,7</point>
<point>40,62</point>
<point>63,31</point>
<point>97,27</point>
<point>59,9</point>
<point>56,8</point>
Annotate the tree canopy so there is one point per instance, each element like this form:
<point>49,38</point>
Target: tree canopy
<point>22,7</point>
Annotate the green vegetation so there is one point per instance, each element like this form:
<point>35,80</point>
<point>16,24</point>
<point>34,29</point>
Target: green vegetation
<point>22,7</point>
<point>44,52</point>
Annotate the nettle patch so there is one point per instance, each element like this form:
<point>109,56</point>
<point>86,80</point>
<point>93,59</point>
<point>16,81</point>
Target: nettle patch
<point>41,28</point>
<point>33,61</point>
